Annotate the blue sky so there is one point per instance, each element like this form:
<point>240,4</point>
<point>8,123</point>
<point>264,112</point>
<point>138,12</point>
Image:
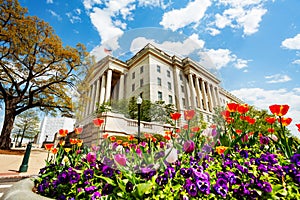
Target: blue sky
<point>252,45</point>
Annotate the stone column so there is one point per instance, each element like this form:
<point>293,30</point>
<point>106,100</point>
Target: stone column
<point>102,90</point>
<point>204,95</point>
<point>93,106</point>
<point>108,85</point>
<point>121,87</point>
<point>213,96</point>
<point>198,92</point>
<point>176,73</point>
<point>192,91</point>
<point>97,93</point>
<point>89,99</point>
<point>187,94</point>
<point>84,104</point>
<point>209,97</point>
<point>217,96</point>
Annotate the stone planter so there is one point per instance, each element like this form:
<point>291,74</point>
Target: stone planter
<point>22,190</point>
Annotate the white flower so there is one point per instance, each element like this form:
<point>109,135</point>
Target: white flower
<point>207,132</point>
<point>172,155</point>
<point>119,148</point>
<point>274,137</point>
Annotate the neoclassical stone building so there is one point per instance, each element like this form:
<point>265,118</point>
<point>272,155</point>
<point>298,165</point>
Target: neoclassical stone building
<point>154,75</point>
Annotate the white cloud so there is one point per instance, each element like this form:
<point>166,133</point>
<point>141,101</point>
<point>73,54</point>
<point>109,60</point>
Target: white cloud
<point>296,62</point>
<point>88,4</point>
<point>73,18</point>
<point>292,43</point>
<point>111,44</point>
<point>278,78</point>
<point>296,90</point>
<point>153,3</point>
<point>240,63</point>
<point>262,99</point>
<point>49,1</point>
<point>222,21</point>
<point>179,18</point>
<point>179,48</point>
<point>213,31</point>
<point>101,19</point>
<point>54,14</point>
<point>246,14</point>
<point>250,21</point>
<point>222,57</point>
<point>109,18</point>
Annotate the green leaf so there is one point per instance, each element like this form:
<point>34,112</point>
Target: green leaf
<point>108,180</point>
<point>142,188</point>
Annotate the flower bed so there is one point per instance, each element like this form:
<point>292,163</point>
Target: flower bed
<point>239,159</point>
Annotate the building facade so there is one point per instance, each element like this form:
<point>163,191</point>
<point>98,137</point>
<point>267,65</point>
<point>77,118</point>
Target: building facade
<point>154,75</point>
<point>50,127</point>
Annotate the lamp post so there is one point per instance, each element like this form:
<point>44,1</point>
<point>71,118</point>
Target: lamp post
<point>139,101</point>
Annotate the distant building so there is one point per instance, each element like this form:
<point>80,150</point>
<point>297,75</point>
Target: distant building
<point>154,75</point>
<point>51,125</point>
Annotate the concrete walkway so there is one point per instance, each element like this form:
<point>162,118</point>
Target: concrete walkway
<point>10,164</point>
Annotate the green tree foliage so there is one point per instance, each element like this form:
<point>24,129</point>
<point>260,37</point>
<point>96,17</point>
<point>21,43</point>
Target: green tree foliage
<point>157,111</point>
<point>36,70</point>
<point>28,124</point>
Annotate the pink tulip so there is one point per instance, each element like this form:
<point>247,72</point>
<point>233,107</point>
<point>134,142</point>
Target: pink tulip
<point>139,152</point>
<point>91,157</point>
<point>121,159</point>
<point>188,146</point>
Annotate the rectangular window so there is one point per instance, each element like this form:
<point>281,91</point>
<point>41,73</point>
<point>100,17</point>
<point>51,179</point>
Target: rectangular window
<point>158,68</point>
<point>182,88</point>
<point>180,77</point>
<point>132,87</point>
<point>141,82</point>
<point>159,95</point>
<point>183,102</point>
<point>170,99</point>
<point>159,81</point>
<point>169,86</point>
<point>168,73</point>
<point>141,69</point>
<point>133,75</point>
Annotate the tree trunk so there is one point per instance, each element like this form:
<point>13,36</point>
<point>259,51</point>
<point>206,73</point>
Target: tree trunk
<point>8,125</point>
<point>20,145</point>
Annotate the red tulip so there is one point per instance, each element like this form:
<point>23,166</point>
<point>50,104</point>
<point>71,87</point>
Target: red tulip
<point>48,147</point>
<point>298,126</point>
<point>243,108</point>
<point>189,114</point>
<point>279,110</point>
<point>98,122</point>
<point>63,132</point>
<point>175,116</point>
<point>270,120</point>
<point>285,121</point>
<point>195,129</point>
<point>78,130</point>
<point>232,107</point>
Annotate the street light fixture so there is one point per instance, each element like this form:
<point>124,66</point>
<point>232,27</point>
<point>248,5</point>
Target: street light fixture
<point>139,101</point>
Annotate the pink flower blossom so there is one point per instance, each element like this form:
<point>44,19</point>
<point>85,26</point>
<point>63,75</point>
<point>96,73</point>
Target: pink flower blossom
<point>188,146</point>
<point>120,159</point>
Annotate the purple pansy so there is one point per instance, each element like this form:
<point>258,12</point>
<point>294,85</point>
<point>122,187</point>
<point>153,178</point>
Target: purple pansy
<point>107,171</point>
<point>203,186</point>
<point>296,159</point>
<point>88,174</point>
